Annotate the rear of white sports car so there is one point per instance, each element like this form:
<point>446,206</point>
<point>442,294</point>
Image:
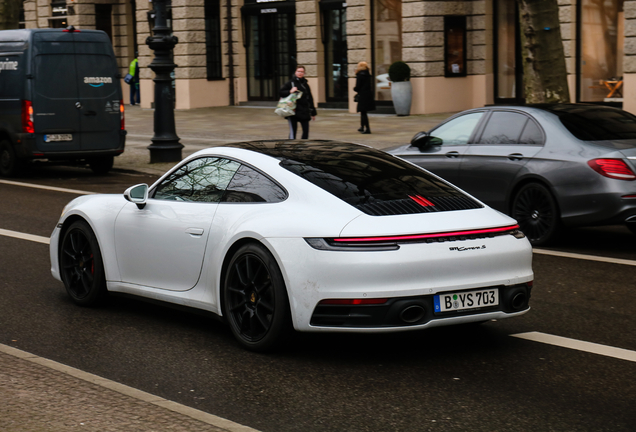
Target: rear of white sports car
<point>420,253</point>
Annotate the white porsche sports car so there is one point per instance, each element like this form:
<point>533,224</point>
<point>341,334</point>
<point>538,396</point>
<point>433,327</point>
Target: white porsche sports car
<point>312,236</point>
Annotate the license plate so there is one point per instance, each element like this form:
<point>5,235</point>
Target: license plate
<point>466,300</point>
<point>58,137</point>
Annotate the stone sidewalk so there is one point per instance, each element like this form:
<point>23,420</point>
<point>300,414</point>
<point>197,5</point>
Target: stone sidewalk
<point>207,127</point>
<point>40,395</point>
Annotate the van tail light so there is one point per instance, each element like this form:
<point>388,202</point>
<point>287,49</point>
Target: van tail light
<point>612,168</point>
<point>121,114</point>
<point>27,117</point>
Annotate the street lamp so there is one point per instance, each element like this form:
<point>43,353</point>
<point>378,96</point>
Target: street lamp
<point>165,145</point>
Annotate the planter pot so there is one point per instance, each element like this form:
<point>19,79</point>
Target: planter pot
<point>402,93</point>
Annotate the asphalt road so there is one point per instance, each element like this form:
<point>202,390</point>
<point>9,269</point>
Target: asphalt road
<point>478,378</point>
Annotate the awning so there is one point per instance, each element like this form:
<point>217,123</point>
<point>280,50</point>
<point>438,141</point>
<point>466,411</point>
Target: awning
<point>332,4</point>
<point>269,7</point>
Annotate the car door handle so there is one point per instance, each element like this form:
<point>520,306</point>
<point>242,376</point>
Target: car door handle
<point>452,155</point>
<point>195,232</point>
<point>515,156</point>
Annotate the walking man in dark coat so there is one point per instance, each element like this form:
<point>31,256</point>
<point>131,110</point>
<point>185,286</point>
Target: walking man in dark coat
<point>305,109</point>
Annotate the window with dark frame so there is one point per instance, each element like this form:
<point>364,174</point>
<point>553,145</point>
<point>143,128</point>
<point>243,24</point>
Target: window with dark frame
<point>454,46</point>
<point>213,54</point>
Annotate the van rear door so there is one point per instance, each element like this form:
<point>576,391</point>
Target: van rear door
<point>99,91</point>
<point>55,93</point>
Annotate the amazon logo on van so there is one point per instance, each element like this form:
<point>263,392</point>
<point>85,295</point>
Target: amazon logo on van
<point>97,81</point>
<point>8,65</point>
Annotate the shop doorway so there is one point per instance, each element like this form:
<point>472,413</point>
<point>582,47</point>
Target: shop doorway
<point>334,34</point>
<point>271,53</point>
<point>508,67</point>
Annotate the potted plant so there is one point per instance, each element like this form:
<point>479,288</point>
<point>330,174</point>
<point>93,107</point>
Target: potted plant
<point>401,90</point>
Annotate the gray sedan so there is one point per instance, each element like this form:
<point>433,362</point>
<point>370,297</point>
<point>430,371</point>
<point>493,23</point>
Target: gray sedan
<point>545,165</point>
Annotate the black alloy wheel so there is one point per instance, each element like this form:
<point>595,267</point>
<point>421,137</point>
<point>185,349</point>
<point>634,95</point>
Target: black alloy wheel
<point>536,211</point>
<point>255,299</point>
<point>8,160</point>
<point>81,265</point>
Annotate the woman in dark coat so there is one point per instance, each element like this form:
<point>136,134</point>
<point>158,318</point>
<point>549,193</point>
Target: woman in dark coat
<point>366,100</point>
<point>305,110</point>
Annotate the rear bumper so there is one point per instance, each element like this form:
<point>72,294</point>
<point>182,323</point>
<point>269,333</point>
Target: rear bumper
<point>26,148</point>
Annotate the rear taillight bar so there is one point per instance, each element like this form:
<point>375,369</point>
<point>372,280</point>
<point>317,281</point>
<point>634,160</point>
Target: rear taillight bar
<point>416,237</point>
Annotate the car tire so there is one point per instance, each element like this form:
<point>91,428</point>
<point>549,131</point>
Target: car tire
<point>101,165</point>
<point>255,299</point>
<point>9,162</point>
<point>537,213</point>
<point>81,265</point>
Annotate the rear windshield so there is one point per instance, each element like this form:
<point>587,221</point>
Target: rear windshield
<point>373,181</point>
<point>600,124</point>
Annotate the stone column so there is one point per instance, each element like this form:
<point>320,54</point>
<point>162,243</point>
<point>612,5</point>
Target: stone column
<point>358,41</point>
<point>629,59</point>
<point>30,14</point>
<point>567,19</point>
<point>307,45</point>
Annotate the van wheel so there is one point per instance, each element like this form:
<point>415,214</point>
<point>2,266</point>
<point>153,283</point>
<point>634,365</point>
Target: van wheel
<point>101,165</point>
<point>9,163</point>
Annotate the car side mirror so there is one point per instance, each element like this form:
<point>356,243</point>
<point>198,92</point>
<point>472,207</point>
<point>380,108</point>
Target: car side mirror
<point>423,141</point>
<point>137,194</point>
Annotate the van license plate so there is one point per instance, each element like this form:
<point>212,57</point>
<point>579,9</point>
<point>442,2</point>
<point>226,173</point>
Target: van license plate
<point>58,137</point>
<point>466,300</point>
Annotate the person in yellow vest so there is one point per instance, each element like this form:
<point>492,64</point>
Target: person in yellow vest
<point>134,83</point>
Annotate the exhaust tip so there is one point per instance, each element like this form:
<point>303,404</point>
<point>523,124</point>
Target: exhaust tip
<point>412,314</point>
<point>518,302</point>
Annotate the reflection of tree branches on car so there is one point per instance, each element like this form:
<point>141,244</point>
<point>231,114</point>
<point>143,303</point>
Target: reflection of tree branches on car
<point>202,180</point>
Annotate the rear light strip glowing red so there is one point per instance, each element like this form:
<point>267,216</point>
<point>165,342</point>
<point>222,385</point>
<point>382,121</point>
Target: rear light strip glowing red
<point>427,236</point>
<point>350,302</point>
<point>422,201</point>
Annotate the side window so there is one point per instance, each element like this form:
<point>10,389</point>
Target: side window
<point>201,180</point>
<point>531,134</point>
<point>503,128</point>
<point>459,130</point>
<point>248,185</point>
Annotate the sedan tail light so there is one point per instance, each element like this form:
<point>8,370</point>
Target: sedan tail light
<point>612,168</point>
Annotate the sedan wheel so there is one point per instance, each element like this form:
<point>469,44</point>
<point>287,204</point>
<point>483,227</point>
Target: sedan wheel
<point>255,299</point>
<point>536,211</point>
<point>81,265</point>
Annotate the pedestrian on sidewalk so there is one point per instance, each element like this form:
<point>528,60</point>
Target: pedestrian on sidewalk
<point>305,109</point>
<point>133,70</point>
<point>364,96</point>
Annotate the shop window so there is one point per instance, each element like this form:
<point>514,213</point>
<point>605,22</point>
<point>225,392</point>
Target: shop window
<point>455,46</point>
<point>58,14</point>
<point>387,33</point>
<point>601,51</point>
<point>213,54</point>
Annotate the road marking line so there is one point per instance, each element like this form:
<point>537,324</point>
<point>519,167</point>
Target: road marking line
<point>51,188</point>
<point>132,392</point>
<point>585,257</point>
<point>575,344</point>
<point>23,236</point>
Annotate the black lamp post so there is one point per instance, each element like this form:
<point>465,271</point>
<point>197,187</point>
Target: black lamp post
<point>165,145</point>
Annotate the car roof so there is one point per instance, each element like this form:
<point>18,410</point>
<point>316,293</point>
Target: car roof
<point>309,149</point>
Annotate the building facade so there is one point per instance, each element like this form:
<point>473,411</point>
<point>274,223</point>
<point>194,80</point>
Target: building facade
<point>462,54</point>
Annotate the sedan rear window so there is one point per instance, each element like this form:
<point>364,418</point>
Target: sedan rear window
<point>598,124</point>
